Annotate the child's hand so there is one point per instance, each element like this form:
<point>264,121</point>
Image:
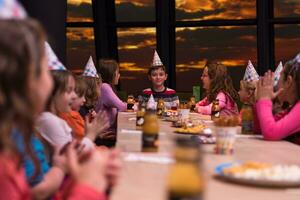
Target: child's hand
<point>114,167</point>
<point>92,171</point>
<point>97,126</point>
<point>60,160</point>
<point>265,88</point>
<point>91,115</point>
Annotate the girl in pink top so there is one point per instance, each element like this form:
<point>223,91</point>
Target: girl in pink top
<point>288,126</point>
<point>108,101</point>
<point>218,85</point>
<point>25,84</point>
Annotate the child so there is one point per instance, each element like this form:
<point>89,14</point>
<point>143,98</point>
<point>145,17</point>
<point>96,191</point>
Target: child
<point>247,96</point>
<point>25,84</point>
<point>92,93</point>
<point>109,102</point>
<point>288,126</point>
<point>218,85</point>
<point>73,118</point>
<point>52,128</point>
<point>157,75</point>
<point>81,127</point>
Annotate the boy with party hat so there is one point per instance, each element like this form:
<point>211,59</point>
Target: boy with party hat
<point>157,75</point>
<point>247,97</point>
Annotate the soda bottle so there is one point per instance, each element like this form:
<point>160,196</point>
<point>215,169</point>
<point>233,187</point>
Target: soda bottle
<point>130,102</point>
<point>150,133</point>
<point>185,180</point>
<point>215,109</point>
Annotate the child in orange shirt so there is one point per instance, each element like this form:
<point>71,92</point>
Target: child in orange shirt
<point>73,118</point>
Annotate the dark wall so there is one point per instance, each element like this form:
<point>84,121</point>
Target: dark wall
<point>52,15</point>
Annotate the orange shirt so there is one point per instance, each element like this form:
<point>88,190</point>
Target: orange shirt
<point>76,122</point>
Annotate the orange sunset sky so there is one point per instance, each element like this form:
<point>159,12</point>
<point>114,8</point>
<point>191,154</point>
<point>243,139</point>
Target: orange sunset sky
<point>231,45</point>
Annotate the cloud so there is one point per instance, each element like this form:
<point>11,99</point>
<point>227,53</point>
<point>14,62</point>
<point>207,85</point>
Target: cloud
<point>215,9</point>
<point>79,11</point>
<point>132,11</point>
<point>286,8</point>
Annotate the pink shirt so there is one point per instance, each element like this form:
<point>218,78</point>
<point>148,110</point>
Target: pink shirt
<point>110,103</point>
<point>226,103</point>
<point>288,125</point>
<point>13,185</point>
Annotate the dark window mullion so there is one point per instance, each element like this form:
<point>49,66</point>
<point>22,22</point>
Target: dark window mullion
<point>240,22</point>
<point>133,24</point>
<point>80,24</point>
<point>284,20</point>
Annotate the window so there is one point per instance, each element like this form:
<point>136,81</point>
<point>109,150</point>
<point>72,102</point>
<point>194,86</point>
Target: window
<point>136,47</point>
<point>80,46</point>
<point>227,31</point>
<point>231,45</point>
<point>207,9</point>
<point>136,10</point>
<point>80,34</point>
<point>286,8</point>
<point>287,40</point>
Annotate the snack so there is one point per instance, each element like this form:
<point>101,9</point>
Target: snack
<point>264,171</point>
<point>191,130</point>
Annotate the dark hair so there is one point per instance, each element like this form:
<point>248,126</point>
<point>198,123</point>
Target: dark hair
<point>220,81</point>
<point>107,69</point>
<point>92,92</point>
<point>153,68</point>
<point>80,86</point>
<point>21,51</point>
<point>60,81</point>
<point>292,68</point>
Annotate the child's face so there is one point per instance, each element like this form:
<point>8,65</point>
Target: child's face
<point>243,94</point>
<point>205,79</point>
<point>64,100</point>
<point>78,102</point>
<point>158,77</point>
<point>41,87</point>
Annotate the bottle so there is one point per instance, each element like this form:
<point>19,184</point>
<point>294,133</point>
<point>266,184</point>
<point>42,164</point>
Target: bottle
<point>150,133</point>
<point>247,119</point>
<point>185,181</point>
<point>192,103</point>
<point>130,103</point>
<point>160,107</point>
<point>140,114</point>
<point>215,109</point>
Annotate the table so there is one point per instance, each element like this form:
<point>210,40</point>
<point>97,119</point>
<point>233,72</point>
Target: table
<point>147,181</point>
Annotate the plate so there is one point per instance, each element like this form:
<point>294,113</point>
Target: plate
<point>260,182</point>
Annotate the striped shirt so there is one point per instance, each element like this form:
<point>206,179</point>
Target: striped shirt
<point>168,95</point>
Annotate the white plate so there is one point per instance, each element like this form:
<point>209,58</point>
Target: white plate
<point>253,182</point>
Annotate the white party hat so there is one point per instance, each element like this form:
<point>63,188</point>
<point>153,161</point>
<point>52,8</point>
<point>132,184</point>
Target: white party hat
<point>250,73</point>
<point>156,60</point>
<point>151,105</point>
<point>277,73</point>
<point>90,69</point>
